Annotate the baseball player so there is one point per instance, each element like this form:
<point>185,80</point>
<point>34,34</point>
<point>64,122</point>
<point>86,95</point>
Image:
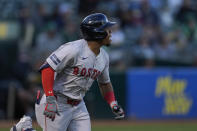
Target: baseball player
<point>69,72</point>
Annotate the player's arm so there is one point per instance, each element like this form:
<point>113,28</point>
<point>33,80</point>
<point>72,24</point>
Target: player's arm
<point>56,62</point>
<point>47,74</point>
<point>107,92</point>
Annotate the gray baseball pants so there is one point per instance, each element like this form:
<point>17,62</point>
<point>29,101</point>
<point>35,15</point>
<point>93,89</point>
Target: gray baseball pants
<point>72,118</point>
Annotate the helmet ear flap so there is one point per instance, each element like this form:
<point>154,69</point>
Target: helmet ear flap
<point>90,33</point>
<point>100,35</point>
<point>104,34</point>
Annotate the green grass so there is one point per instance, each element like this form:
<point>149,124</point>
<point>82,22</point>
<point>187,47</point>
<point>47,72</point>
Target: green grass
<point>147,128</point>
<point>140,127</point>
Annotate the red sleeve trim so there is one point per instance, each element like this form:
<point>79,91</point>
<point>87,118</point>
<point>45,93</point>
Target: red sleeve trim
<point>109,97</point>
<point>48,81</point>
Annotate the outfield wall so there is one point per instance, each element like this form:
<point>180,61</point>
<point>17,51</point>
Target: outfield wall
<point>161,93</point>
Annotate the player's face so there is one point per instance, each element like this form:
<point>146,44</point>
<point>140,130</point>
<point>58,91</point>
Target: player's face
<point>107,40</point>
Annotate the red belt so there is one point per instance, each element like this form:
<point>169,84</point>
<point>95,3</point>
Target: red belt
<point>73,102</point>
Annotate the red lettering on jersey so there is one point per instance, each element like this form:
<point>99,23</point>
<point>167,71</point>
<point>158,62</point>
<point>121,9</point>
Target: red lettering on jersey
<point>97,74</point>
<point>83,72</point>
<point>76,71</point>
<point>89,72</point>
<point>94,73</point>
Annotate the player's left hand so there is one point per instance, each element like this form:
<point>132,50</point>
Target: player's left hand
<point>118,112</point>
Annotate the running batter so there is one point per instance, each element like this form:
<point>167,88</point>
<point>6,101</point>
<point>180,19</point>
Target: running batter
<point>69,72</point>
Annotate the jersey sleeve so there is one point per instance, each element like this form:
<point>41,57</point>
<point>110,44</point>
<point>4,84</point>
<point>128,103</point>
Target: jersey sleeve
<point>64,56</point>
<point>104,76</point>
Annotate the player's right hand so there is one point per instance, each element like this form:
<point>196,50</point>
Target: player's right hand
<point>51,107</point>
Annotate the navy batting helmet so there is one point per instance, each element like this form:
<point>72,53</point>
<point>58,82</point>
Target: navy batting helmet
<point>93,27</point>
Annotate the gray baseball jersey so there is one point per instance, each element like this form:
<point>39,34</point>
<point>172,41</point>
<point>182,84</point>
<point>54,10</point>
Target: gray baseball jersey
<point>77,67</point>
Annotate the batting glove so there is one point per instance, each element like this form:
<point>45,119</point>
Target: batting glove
<point>51,107</point>
<point>117,110</point>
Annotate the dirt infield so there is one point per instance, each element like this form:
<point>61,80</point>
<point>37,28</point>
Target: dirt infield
<point>7,124</point>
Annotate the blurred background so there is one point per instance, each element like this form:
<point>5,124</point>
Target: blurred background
<point>153,55</point>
